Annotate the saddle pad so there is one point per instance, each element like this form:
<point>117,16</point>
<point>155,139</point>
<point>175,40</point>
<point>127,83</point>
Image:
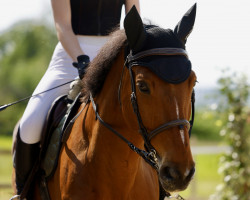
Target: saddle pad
<point>53,149</point>
<point>51,155</point>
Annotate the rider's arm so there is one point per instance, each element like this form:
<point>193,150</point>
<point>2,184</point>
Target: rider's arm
<point>130,3</point>
<point>65,34</point>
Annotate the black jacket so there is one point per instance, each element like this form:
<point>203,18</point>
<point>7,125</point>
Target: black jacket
<point>95,17</point>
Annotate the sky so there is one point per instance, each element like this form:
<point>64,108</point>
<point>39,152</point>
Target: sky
<point>220,38</point>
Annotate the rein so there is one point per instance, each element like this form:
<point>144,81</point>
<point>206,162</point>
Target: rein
<point>149,157</point>
<point>3,107</point>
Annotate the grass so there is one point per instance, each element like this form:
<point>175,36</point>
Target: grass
<point>5,167</point>
<point>5,143</point>
<point>203,185</point>
<point>206,178</point>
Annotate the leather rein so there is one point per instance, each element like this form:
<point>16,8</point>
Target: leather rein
<point>150,155</point>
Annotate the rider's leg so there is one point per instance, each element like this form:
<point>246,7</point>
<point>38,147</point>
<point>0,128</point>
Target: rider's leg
<point>24,161</point>
<point>60,71</point>
<point>31,124</point>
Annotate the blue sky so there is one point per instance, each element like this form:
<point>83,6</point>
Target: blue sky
<point>220,39</point>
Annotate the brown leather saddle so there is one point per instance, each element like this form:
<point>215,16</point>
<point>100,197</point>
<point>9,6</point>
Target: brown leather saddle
<point>59,119</point>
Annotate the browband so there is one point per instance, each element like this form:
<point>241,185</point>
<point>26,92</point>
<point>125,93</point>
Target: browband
<point>157,52</point>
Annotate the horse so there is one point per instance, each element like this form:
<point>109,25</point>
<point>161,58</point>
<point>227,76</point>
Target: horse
<point>131,134</point>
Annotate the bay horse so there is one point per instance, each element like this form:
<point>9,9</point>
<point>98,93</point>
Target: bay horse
<point>141,80</point>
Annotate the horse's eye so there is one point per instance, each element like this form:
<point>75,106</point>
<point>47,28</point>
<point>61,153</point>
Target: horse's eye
<point>195,83</point>
<point>143,87</point>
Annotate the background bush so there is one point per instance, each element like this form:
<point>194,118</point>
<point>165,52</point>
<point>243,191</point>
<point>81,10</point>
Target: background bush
<point>25,52</point>
<point>235,165</point>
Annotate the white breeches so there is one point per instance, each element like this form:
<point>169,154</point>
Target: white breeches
<point>60,71</point>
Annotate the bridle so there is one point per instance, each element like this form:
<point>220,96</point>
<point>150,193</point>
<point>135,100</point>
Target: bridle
<point>150,155</point>
<point>147,136</point>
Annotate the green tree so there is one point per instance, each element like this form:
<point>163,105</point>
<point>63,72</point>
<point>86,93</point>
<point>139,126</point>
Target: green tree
<point>235,165</point>
<point>25,52</point>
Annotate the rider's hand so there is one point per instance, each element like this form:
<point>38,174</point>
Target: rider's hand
<point>81,64</point>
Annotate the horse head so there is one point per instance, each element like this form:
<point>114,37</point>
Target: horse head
<point>162,84</point>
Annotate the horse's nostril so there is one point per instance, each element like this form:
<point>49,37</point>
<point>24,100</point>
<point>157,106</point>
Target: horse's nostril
<point>169,173</point>
<point>191,173</point>
<point>173,179</point>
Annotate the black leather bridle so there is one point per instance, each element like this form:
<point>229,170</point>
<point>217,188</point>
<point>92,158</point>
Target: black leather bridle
<point>150,155</point>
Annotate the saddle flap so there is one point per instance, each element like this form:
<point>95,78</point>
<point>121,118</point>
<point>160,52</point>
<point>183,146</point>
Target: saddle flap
<point>59,117</point>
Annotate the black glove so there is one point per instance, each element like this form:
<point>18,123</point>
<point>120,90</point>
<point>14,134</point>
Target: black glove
<point>81,64</point>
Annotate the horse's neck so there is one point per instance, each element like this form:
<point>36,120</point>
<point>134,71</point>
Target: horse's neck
<point>110,111</point>
<point>97,159</point>
<point>112,154</point>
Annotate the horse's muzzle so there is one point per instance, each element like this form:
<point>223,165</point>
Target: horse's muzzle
<point>173,180</point>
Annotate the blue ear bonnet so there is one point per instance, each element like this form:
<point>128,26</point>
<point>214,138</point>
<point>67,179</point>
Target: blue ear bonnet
<point>172,69</point>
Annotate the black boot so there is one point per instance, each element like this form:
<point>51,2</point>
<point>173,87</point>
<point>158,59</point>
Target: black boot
<point>24,160</point>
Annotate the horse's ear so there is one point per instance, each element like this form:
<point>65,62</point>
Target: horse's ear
<point>185,26</point>
<point>134,29</point>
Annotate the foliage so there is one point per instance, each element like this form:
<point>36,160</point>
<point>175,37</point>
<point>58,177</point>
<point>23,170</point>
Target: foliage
<point>25,51</point>
<point>207,125</point>
<point>235,165</point>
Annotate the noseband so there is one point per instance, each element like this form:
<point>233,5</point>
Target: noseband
<point>147,136</point>
<point>150,155</point>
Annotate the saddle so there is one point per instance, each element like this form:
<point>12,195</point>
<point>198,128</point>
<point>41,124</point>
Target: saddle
<point>58,119</point>
<point>56,128</point>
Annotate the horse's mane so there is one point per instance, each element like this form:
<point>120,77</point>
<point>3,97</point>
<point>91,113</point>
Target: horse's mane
<point>98,69</point>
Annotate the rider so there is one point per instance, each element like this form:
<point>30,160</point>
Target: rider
<point>82,27</point>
